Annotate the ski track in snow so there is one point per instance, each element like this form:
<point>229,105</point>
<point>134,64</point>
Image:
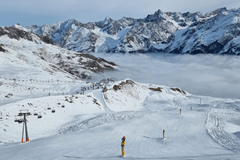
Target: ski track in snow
<point>216,123</point>
<point>103,120</point>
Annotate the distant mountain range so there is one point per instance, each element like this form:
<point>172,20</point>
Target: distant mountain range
<point>173,32</point>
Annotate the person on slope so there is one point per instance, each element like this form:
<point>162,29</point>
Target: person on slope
<point>123,145</point>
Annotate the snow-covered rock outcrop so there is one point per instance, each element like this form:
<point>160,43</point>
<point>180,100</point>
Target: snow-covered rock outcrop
<point>173,32</point>
<point>131,95</point>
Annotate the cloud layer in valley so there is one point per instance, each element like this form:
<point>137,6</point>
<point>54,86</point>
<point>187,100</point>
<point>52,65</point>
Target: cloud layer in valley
<point>211,75</point>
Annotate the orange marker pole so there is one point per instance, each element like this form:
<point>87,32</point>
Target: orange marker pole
<point>163,134</point>
<point>22,132</point>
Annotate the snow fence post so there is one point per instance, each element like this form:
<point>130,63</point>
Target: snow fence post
<point>163,134</point>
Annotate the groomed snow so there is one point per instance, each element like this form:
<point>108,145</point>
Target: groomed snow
<point>92,126</point>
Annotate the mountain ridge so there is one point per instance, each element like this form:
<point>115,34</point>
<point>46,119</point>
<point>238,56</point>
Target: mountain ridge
<point>173,32</point>
<point>30,52</point>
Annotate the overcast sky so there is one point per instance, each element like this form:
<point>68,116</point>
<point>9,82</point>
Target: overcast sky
<point>40,12</point>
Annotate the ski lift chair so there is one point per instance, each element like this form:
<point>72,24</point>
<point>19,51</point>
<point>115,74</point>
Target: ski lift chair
<point>39,116</point>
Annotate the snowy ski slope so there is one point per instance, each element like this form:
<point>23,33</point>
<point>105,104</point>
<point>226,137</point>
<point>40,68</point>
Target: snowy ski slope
<point>91,126</point>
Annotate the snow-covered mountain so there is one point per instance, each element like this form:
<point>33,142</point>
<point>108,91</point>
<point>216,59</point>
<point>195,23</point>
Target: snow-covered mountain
<point>70,118</point>
<point>214,32</point>
<point>37,56</point>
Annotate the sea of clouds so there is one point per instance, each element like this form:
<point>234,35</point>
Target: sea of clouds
<point>202,74</point>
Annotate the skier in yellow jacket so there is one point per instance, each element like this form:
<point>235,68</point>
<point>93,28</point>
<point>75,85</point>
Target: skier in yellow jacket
<point>122,145</point>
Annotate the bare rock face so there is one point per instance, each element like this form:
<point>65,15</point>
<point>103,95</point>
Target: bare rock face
<point>2,50</point>
<point>173,32</point>
<point>159,89</point>
<point>118,87</point>
<point>178,90</point>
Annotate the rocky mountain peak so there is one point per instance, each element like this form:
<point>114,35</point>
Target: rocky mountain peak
<point>19,26</point>
<point>158,12</point>
<point>157,16</point>
<point>107,20</point>
<point>172,32</point>
<point>218,11</point>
